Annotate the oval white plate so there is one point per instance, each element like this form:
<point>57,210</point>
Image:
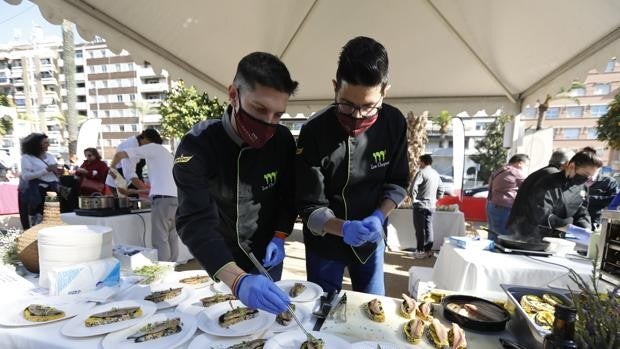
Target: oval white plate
<point>310,294</point>
<point>12,313</point>
<point>294,339</point>
<point>302,314</point>
<point>220,287</point>
<point>118,340</point>
<point>176,277</point>
<point>373,345</point>
<point>207,341</point>
<point>138,292</point>
<point>192,305</point>
<point>76,327</point>
<point>208,321</point>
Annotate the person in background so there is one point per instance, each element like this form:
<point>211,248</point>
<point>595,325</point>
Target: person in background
<point>39,175</point>
<point>601,191</point>
<point>558,162</point>
<point>92,168</point>
<point>559,199</point>
<point>352,172</point>
<point>426,188</point>
<point>127,166</point>
<point>235,181</point>
<point>163,192</point>
<point>503,186</point>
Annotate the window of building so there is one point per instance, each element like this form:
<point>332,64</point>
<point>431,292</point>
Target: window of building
<point>79,68</point>
<point>132,97</point>
<point>107,113</point>
<point>481,126</point>
<point>20,102</point>
<point>119,98</point>
<point>80,84</point>
<point>611,65</point>
<point>552,113</point>
<point>104,83</point>
<point>601,89</point>
<point>571,133</point>
<point>81,98</point>
<point>134,128</point>
<point>17,80</point>
<point>79,54</point>
<point>577,92</point>
<point>574,112</point>
<point>82,112</point>
<point>46,61</point>
<point>104,68</point>
<point>121,128</point>
<point>91,54</point>
<point>16,63</point>
<point>529,113</point>
<point>118,67</point>
<point>46,75</point>
<point>592,133</point>
<point>598,110</point>
<point>92,68</point>
<point>19,88</point>
<point>103,53</point>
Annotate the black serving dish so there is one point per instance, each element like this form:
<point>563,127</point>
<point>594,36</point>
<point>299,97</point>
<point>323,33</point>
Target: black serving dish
<point>492,318</point>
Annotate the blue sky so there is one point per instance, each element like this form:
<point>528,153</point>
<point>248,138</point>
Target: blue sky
<point>22,17</point>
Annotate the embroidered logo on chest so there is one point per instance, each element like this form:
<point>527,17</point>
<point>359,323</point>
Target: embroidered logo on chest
<point>378,159</point>
<point>269,180</point>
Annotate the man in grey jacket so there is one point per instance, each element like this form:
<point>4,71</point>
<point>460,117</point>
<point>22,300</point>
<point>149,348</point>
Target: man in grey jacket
<point>425,190</point>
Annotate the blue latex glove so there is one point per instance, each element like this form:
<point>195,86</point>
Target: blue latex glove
<point>256,291</point>
<point>274,254</point>
<point>354,233</point>
<point>374,224</point>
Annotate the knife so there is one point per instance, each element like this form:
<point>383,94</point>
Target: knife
<point>324,309</point>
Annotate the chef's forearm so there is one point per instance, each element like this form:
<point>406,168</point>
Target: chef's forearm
<point>386,207</point>
<point>229,274</point>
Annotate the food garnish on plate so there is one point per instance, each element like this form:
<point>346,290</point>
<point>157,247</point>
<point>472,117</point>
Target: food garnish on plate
<point>297,289</point>
<point>285,317</point>
<point>374,309</point>
<point>218,298</point>
<point>195,280</point>
<point>425,311</point>
<point>253,344</point>
<point>157,330</point>
<point>317,343</point>
<point>42,313</point>
<point>237,315</point>
<point>408,307</point>
<point>113,315</point>
<point>160,296</point>
<point>456,337</point>
<point>414,329</point>
<point>437,334</point>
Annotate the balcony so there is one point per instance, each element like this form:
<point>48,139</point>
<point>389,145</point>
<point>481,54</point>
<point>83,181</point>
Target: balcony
<point>5,81</point>
<point>154,119</point>
<point>80,91</point>
<point>49,81</point>
<point>78,77</point>
<point>158,87</point>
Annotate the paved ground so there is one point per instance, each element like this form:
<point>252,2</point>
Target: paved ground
<point>396,268</point>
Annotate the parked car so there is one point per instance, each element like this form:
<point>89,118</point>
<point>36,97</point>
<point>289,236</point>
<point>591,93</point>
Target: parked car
<point>478,192</point>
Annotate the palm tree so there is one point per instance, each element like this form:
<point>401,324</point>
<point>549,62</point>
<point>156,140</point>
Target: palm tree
<point>68,55</point>
<point>417,140</point>
<point>443,120</point>
<point>563,94</point>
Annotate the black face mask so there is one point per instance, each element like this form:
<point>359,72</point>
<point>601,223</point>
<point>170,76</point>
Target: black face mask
<point>578,179</point>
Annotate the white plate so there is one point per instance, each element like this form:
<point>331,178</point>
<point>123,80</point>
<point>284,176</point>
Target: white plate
<point>138,292</point>
<point>208,321</point>
<point>294,339</point>
<point>310,294</point>
<point>12,313</point>
<point>192,305</point>
<point>301,312</point>
<point>76,327</point>
<point>207,341</point>
<point>177,276</point>
<point>373,345</point>
<point>118,340</point>
<point>220,287</point>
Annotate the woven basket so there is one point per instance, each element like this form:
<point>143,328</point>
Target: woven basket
<point>27,242</point>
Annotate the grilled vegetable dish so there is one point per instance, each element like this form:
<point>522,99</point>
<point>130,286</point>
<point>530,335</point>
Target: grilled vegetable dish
<point>425,311</point>
<point>218,298</point>
<point>374,309</point>
<point>253,344</point>
<point>437,335</point>
<point>414,329</point>
<point>42,313</point>
<point>157,330</point>
<point>456,337</point>
<point>285,317</point>
<point>160,296</point>
<point>237,315</point>
<point>113,315</point>
<point>297,289</point>
<point>315,344</point>
<point>408,307</point>
<point>195,280</point>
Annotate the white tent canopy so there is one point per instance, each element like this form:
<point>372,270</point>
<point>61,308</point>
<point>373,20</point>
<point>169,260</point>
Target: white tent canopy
<point>444,54</point>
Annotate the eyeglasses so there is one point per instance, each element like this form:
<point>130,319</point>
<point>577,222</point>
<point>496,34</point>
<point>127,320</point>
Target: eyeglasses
<point>349,109</point>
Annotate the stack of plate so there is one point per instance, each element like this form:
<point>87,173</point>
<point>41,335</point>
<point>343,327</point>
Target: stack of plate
<point>71,244</point>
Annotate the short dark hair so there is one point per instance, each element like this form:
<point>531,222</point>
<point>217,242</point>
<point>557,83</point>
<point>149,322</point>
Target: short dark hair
<point>363,61</point>
<point>586,157</point>
<point>151,135</point>
<point>31,144</point>
<point>560,157</point>
<point>94,152</point>
<point>427,159</point>
<point>518,158</point>
<point>264,69</point>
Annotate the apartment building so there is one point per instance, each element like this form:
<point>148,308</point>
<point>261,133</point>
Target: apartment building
<point>574,118</point>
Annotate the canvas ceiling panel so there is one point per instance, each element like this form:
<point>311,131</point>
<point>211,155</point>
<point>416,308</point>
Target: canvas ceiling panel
<point>425,58</point>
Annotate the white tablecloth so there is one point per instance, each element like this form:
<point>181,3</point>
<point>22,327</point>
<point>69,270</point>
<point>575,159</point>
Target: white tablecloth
<point>458,269</point>
<point>401,232</point>
<point>127,229</point>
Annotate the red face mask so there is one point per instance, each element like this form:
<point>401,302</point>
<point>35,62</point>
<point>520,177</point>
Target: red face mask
<point>253,131</point>
<point>355,126</point>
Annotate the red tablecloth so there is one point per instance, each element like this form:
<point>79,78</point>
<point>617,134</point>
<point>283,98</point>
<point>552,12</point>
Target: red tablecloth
<point>8,199</point>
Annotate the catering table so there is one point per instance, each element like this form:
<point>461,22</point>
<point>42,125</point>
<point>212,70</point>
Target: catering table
<point>8,203</point>
<point>458,269</point>
<point>127,229</point>
<point>401,232</point>
<point>357,328</point>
